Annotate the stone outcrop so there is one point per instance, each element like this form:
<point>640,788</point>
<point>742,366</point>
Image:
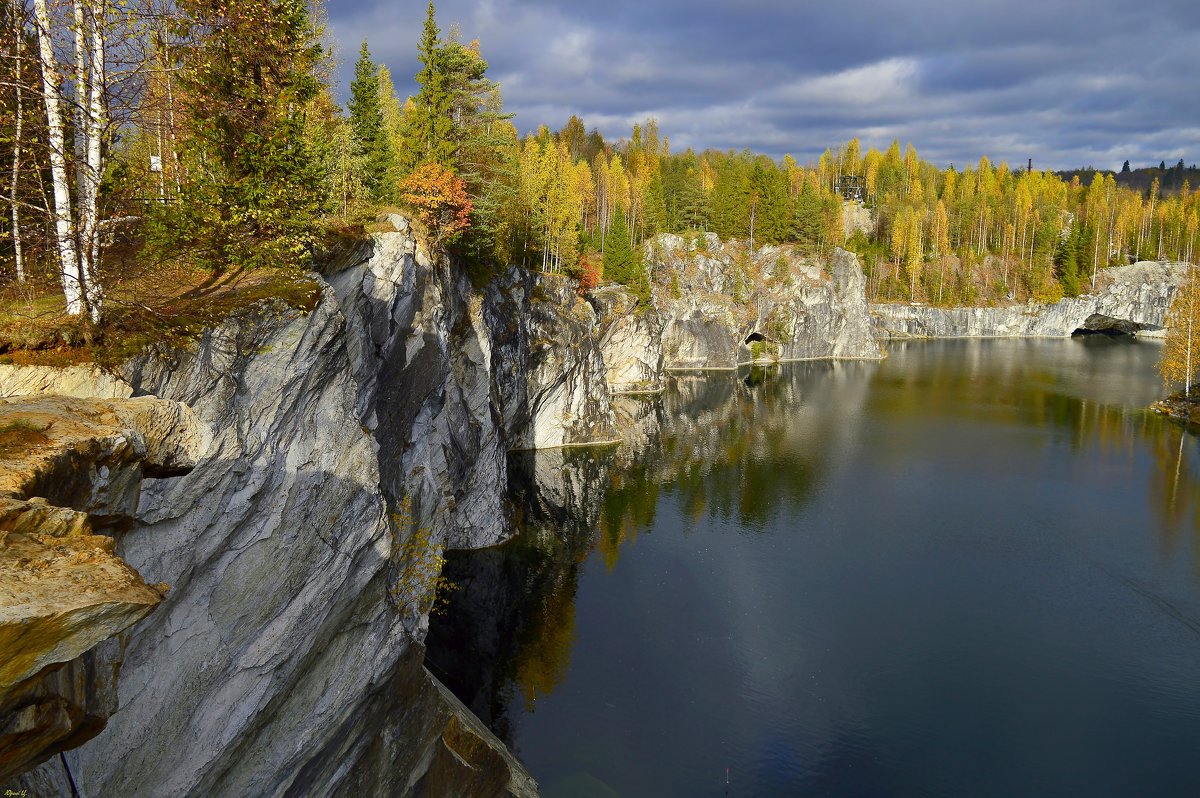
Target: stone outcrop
<point>857,218</point>
<point>70,471</point>
<point>829,320</point>
<point>289,620</point>
<point>547,365</point>
<point>1132,299</point>
<point>1184,409</point>
<point>422,363</point>
<point>721,308</point>
<point>631,341</point>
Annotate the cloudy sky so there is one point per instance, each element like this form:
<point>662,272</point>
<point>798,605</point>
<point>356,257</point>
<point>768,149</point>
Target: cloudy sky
<point>1066,82</point>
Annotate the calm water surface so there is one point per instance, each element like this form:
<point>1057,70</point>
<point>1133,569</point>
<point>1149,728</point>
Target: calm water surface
<point>971,569</point>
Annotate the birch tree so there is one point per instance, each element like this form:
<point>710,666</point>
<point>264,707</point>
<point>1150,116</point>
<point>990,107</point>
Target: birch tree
<point>75,220</point>
<point>64,223</point>
<point>19,124</point>
<point>1180,358</point>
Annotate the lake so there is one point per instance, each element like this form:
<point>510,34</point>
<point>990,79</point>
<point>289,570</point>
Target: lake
<point>969,569</point>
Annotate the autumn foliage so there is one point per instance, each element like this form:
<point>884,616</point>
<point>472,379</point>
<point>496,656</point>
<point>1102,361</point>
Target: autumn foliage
<point>439,199</point>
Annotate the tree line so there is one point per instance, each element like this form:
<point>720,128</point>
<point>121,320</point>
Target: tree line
<point>216,125</point>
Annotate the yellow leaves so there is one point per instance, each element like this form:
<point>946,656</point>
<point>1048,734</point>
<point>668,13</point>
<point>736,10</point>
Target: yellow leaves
<point>1180,358</point>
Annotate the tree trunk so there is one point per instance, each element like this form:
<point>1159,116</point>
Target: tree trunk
<point>68,255</point>
<point>18,252</point>
<point>753,207</point>
<point>91,80</point>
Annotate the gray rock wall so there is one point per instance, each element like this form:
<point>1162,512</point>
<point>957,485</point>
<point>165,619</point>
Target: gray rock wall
<point>423,367</point>
<point>829,320</point>
<point>288,619</point>
<point>631,341</point>
<point>1134,298</point>
<point>548,369</point>
<point>720,316</point>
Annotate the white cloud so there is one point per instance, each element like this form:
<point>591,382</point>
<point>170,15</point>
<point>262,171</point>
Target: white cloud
<point>881,81</point>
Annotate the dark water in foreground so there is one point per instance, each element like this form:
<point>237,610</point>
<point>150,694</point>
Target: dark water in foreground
<point>972,569</point>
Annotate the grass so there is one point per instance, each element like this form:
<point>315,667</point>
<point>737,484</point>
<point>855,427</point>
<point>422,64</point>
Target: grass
<point>18,437</point>
<point>144,303</point>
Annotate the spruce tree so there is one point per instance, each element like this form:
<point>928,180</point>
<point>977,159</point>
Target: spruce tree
<point>768,185</point>
<point>808,216</point>
<point>366,120</point>
<point>621,263</point>
<point>731,198</point>
<point>1066,258</point>
<point>247,83</point>
<point>654,215</point>
<point>430,124</point>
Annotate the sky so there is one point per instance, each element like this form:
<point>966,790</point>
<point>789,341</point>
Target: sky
<point>1068,83</point>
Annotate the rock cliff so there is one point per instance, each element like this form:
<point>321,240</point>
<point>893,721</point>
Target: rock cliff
<point>721,306</point>
<point>299,472</point>
<point>631,341</point>
<point>1132,299</point>
<point>293,613</point>
<point>70,472</point>
<point>547,362</point>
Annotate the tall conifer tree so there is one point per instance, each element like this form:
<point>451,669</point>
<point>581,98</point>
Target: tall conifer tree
<point>366,119</point>
<point>257,188</point>
<point>621,263</point>
<point>429,120</point>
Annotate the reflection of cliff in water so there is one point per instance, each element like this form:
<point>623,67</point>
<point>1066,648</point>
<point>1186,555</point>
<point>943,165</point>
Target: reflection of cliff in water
<point>734,447</point>
<point>509,623</point>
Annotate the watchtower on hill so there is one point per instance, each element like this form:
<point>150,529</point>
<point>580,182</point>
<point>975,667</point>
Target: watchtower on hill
<point>852,187</point>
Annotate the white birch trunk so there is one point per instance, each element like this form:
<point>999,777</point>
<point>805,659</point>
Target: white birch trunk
<point>68,255</point>
<point>90,212</point>
<point>18,251</point>
<point>89,81</point>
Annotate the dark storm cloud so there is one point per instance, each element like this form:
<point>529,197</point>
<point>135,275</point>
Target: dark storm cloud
<point>1066,82</point>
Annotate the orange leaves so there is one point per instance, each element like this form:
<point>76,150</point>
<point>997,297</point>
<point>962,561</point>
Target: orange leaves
<point>439,198</point>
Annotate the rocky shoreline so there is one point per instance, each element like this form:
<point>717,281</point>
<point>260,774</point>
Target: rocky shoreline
<point>1133,299</point>
<point>1183,409</point>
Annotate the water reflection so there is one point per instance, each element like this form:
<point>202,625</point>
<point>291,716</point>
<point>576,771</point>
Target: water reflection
<point>508,626</point>
<point>828,542</point>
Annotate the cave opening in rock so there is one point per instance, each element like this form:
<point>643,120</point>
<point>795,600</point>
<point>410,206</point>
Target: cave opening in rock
<point>1099,324</point>
<point>754,338</point>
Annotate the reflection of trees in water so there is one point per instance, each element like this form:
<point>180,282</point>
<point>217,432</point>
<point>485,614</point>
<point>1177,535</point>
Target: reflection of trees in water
<point>721,446</point>
<point>1174,486</point>
<point>1119,434</point>
<point>510,625</point>
<point>1017,385</point>
<point>736,449</point>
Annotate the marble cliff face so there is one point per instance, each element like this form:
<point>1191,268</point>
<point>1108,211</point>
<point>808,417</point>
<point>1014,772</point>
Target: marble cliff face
<point>1131,299</point>
<point>260,505</point>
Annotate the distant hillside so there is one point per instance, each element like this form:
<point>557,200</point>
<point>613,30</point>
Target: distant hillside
<point>1170,178</point>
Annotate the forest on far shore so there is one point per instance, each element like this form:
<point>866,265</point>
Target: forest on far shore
<point>166,161</point>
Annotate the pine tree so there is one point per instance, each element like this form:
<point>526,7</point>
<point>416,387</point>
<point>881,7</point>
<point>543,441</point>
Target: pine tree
<point>366,120</point>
